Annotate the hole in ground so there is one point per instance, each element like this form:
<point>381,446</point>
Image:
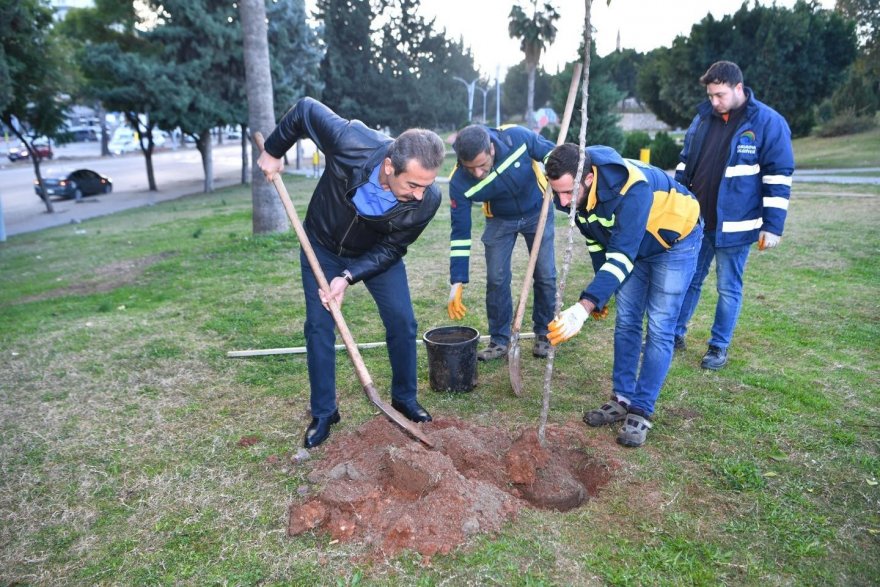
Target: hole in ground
<point>379,486</point>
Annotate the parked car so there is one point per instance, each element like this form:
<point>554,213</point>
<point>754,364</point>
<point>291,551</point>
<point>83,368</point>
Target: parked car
<point>126,140</point>
<point>42,146</point>
<point>83,133</point>
<point>74,183</point>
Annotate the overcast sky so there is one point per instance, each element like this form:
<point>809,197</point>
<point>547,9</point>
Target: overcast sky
<point>643,25</point>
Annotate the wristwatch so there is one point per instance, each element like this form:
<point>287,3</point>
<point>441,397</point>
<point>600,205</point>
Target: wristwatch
<point>347,275</point>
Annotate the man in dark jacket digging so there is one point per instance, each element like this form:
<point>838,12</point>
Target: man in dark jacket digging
<point>374,198</point>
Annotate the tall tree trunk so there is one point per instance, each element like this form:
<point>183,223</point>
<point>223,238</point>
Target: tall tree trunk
<point>530,94</point>
<point>269,214</point>
<point>205,147</point>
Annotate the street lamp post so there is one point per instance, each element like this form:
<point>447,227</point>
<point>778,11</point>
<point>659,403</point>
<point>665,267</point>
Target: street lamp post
<point>470,89</point>
<point>485,94</point>
<point>497,95</point>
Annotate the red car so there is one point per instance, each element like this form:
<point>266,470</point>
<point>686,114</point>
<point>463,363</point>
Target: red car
<point>43,149</point>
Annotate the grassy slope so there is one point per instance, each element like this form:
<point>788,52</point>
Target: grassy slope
<point>859,150</point>
<point>121,414</point>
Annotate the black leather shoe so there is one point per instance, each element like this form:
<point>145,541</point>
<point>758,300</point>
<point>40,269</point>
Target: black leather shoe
<point>319,430</point>
<point>412,410</point>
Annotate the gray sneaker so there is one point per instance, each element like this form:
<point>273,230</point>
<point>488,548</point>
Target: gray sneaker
<point>634,431</point>
<point>608,413</point>
<point>715,358</point>
<point>541,348</point>
<point>680,344</point>
<point>492,352</point>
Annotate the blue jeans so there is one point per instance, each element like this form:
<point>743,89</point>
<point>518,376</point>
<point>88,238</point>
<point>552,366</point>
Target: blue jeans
<point>498,239</point>
<point>390,290</point>
<point>730,264</point>
<point>656,286</point>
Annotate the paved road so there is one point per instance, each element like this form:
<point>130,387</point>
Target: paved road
<point>860,175</point>
<point>178,173</point>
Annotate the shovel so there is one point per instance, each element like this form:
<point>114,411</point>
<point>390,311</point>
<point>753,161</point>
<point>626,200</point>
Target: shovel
<point>347,338</point>
<point>514,350</point>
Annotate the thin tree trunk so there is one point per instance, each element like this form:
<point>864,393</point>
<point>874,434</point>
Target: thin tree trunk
<point>566,258</point>
<point>36,163</point>
<point>135,123</point>
<point>105,135</point>
<point>269,214</point>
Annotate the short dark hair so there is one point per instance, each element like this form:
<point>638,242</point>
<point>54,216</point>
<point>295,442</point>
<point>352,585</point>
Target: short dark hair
<point>564,159</point>
<point>416,143</point>
<point>470,142</point>
<point>722,72</point>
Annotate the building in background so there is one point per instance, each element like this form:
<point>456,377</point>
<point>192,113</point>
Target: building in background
<point>62,6</point>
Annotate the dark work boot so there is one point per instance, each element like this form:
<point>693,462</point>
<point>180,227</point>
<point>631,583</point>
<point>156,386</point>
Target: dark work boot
<point>715,358</point>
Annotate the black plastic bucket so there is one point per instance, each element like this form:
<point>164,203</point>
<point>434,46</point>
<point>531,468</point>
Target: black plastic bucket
<point>452,357</point>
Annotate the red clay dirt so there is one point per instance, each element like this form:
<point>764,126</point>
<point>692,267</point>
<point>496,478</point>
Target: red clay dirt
<point>380,487</point>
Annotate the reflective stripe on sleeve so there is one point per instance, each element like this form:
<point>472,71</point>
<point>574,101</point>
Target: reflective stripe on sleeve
<point>776,203</point>
<point>622,259</point>
<point>460,253</point>
<point>742,225</point>
<point>460,243</point>
<point>606,222</point>
<point>777,180</point>
<point>613,270</point>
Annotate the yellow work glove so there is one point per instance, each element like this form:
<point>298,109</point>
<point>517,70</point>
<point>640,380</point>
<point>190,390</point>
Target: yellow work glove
<point>599,314</point>
<point>767,240</point>
<point>455,308</point>
<point>567,324</point>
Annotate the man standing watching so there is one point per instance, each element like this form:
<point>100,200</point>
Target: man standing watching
<point>499,168</point>
<point>643,232</point>
<point>737,159</point>
<point>374,198</point>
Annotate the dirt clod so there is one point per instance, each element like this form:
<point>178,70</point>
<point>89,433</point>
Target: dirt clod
<point>378,486</point>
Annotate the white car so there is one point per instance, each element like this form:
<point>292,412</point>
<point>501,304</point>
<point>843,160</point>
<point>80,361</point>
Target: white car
<point>125,141</point>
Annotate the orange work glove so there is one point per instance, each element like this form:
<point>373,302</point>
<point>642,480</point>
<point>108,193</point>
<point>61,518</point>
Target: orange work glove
<point>767,240</point>
<point>454,307</point>
<point>599,314</point>
<point>567,324</point>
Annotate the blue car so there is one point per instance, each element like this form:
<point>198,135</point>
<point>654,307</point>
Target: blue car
<point>74,184</point>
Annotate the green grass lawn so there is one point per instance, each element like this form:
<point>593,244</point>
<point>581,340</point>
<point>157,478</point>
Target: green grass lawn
<point>858,150</point>
<point>121,413</point>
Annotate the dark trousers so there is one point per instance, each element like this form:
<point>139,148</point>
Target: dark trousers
<point>390,290</point>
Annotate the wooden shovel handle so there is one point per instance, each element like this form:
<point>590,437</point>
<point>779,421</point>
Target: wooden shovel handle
<point>545,205</point>
<point>347,338</point>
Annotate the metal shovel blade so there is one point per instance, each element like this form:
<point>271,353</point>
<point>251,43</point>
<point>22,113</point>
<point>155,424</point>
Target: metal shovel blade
<point>513,365</point>
<point>396,416</point>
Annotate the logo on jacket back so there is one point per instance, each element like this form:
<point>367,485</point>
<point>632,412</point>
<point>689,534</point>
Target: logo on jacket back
<point>746,144</point>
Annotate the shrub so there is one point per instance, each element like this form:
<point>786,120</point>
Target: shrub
<point>634,142</point>
<point>847,123</point>
<point>664,151</point>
